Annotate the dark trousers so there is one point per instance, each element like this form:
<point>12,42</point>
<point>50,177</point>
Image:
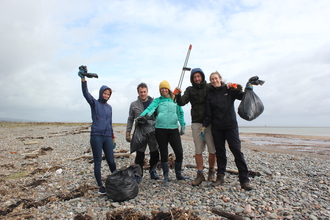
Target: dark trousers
<point>232,136</point>
<point>172,137</point>
<point>98,144</point>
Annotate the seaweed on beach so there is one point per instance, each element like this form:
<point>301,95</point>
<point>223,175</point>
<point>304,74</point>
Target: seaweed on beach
<point>130,214</point>
<point>29,203</point>
<point>36,183</point>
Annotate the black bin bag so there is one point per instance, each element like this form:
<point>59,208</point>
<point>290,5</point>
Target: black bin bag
<point>144,129</point>
<point>121,184</point>
<point>251,105</point>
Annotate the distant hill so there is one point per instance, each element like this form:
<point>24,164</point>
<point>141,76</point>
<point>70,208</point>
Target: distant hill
<point>15,120</point>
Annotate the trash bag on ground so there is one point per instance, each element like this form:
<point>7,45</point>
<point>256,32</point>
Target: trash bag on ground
<point>121,184</point>
<point>144,129</point>
<point>251,105</point>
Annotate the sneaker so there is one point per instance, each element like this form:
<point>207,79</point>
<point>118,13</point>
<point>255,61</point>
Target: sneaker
<point>102,190</point>
<point>246,186</point>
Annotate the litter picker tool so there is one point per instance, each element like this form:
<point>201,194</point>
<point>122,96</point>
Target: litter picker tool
<point>184,68</point>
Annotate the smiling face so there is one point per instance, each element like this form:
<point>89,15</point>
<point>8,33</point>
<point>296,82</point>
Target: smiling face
<point>106,94</point>
<point>197,78</point>
<point>143,93</point>
<point>164,92</point>
<point>215,79</point>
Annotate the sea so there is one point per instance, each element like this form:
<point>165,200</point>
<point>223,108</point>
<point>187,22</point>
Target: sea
<point>312,131</point>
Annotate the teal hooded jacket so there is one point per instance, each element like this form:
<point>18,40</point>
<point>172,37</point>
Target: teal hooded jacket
<point>167,111</point>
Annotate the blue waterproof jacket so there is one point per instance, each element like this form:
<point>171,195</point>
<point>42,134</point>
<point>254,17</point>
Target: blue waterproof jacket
<point>167,111</point>
<point>101,112</point>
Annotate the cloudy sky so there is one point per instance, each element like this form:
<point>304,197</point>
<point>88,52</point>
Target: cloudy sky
<point>284,42</point>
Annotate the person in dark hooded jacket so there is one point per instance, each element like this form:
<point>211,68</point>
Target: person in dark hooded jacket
<point>102,136</point>
<point>196,95</point>
<point>220,112</point>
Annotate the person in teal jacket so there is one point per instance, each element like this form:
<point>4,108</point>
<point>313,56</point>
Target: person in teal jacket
<point>169,115</point>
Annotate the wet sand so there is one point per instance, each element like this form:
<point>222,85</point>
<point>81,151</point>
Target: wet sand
<point>314,146</point>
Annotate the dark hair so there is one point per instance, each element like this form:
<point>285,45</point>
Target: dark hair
<point>142,85</point>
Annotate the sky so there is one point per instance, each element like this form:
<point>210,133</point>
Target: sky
<point>284,42</point>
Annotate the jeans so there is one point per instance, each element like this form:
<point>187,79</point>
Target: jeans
<point>98,144</point>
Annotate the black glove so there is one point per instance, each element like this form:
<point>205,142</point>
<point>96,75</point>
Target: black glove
<point>82,71</point>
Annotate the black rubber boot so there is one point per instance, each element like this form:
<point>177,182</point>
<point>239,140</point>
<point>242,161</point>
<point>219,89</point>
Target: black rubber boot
<point>165,172</point>
<point>178,171</point>
<point>154,158</point>
<point>139,159</point>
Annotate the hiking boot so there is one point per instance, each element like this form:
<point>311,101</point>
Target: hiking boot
<point>211,176</point>
<point>153,175</point>
<point>200,178</point>
<point>102,190</point>
<point>220,180</point>
<point>246,186</point>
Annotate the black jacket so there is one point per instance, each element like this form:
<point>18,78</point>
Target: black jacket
<point>196,95</point>
<point>220,109</point>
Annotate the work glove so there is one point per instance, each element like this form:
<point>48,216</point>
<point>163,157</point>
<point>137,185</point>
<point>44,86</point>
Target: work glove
<point>137,119</point>
<point>114,143</point>
<point>141,119</point>
<point>81,72</point>
<point>236,87</point>
<point>249,86</point>
<point>203,133</point>
<point>128,136</point>
<point>182,130</point>
<point>177,91</point>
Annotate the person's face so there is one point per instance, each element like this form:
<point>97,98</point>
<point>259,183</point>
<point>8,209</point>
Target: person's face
<point>215,80</point>
<point>143,93</point>
<point>106,94</point>
<point>164,92</point>
<point>197,78</point>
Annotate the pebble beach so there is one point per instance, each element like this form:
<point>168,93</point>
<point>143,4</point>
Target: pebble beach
<point>41,163</point>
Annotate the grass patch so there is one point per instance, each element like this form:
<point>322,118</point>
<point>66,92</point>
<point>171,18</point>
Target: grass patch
<point>118,124</point>
<point>30,124</point>
<point>6,124</point>
<point>18,175</point>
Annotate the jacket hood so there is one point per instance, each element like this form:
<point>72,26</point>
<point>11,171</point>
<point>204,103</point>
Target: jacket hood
<point>195,70</point>
<point>104,87</point>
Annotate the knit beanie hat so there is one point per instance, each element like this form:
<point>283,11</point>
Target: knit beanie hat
<point>164,84</point>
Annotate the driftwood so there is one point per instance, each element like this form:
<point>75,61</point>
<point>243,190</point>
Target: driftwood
<point>226,214</point>
<point>251,173</point>
<point>206,167</point>
<point>91,156</point>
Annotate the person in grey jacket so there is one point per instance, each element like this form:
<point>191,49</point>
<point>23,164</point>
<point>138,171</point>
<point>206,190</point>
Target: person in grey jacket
<point>136,108</point>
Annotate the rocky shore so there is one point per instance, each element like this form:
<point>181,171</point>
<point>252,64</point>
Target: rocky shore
<point>46,173</point>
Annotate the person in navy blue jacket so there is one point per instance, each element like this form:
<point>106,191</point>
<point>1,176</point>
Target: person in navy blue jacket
<point>102,136</point>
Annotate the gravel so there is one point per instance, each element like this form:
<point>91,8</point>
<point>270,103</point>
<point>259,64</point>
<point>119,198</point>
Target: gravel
<point>40,162</point>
